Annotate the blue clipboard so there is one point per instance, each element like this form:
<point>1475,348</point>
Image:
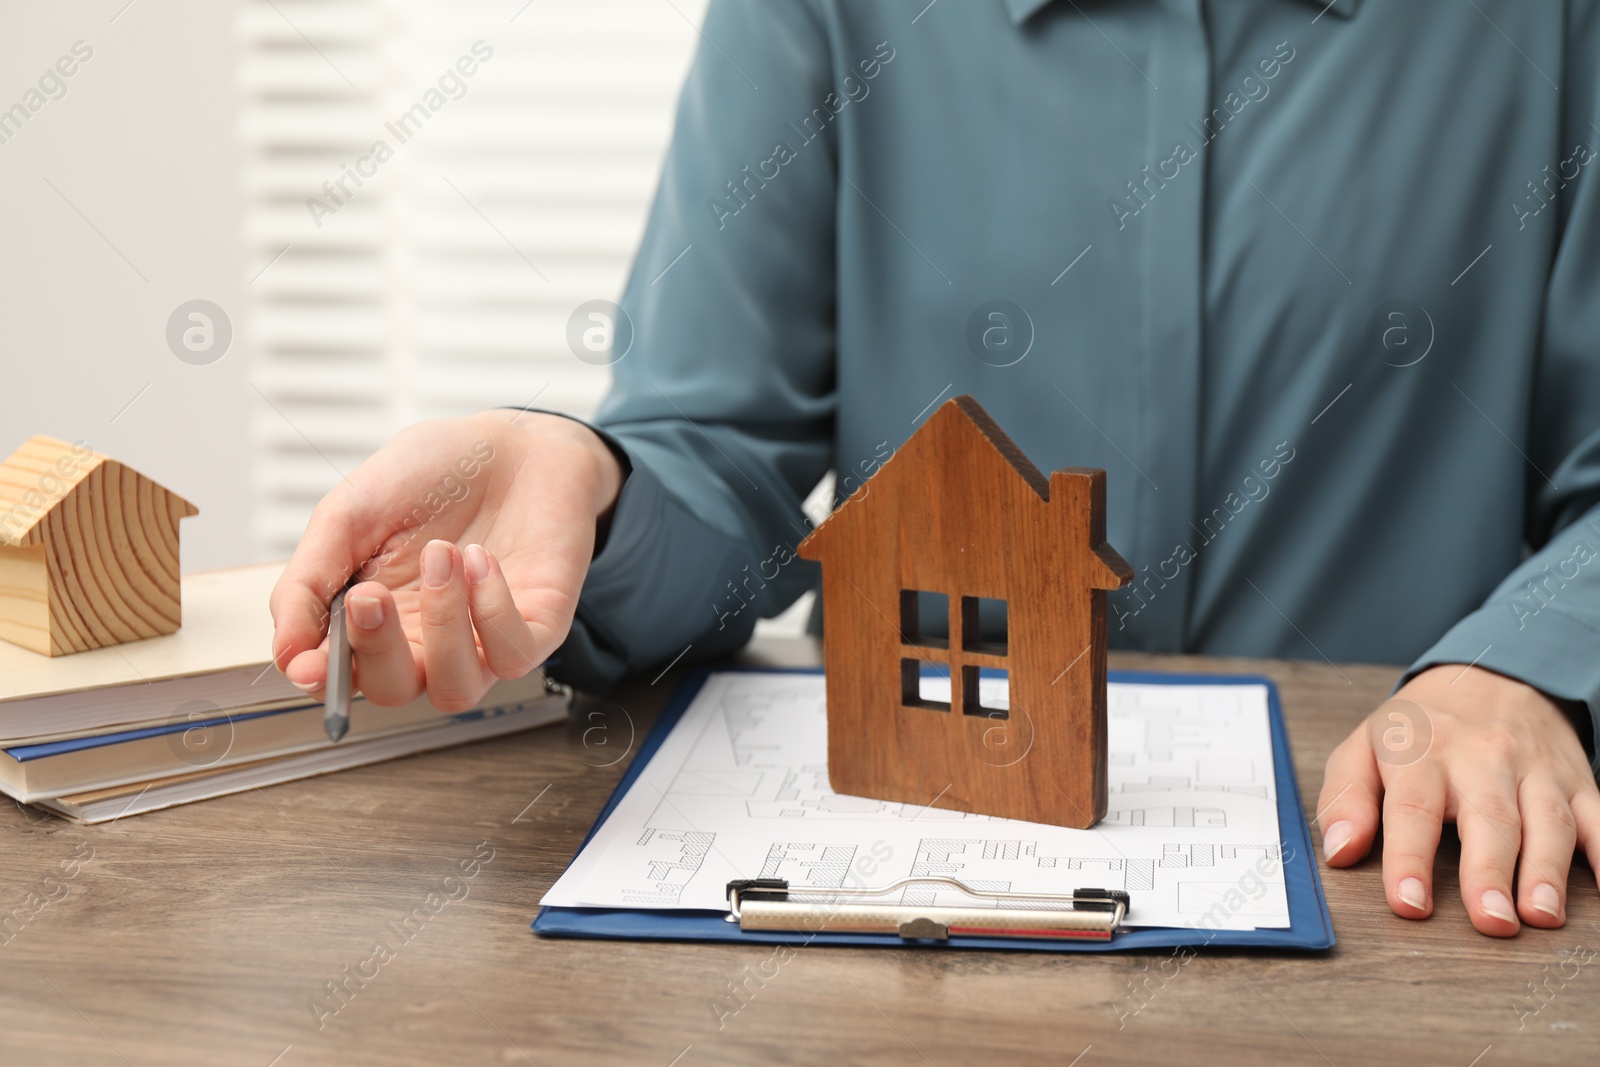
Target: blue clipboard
<point>1311,927</point>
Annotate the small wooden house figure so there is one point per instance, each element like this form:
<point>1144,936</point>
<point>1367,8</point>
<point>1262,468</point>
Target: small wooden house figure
<point>88,550</point>
<point>960,519</point>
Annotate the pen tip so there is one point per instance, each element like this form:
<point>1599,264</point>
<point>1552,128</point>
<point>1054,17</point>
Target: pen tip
<point>337,726</point>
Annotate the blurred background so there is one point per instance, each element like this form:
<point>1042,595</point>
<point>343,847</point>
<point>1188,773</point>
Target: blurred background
<point>174,165</point>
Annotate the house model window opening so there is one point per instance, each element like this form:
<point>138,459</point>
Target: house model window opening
<point>980,626</point>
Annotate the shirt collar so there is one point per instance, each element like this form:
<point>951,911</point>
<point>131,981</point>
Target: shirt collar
<point>1021,10</point>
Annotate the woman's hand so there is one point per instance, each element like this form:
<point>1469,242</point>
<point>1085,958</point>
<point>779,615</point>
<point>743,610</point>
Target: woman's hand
<point>1495,756</point>
<point>473,536</point>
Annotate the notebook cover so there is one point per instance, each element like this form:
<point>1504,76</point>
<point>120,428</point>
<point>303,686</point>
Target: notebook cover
<point>1311,925</point>
<point>223,629</point>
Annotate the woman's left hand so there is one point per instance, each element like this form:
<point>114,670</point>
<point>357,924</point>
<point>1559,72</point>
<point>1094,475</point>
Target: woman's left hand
<point>1496,757</point>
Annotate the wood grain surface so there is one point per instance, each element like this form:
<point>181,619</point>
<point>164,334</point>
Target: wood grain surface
<point>92,552</point>
<point>960,512</point>
<point>202,935</point>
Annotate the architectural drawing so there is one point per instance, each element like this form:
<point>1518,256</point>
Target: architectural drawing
<point>1176,815</point>
<point>671,859</point>
<point>808,864</point>
<point>739,789</point>
<point>803,792</point>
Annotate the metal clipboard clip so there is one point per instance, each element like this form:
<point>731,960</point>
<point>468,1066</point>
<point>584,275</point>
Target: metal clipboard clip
<point>772,904</point>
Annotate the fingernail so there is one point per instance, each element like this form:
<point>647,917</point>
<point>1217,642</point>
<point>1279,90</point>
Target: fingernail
<point>477,561</point>
<point>1547,900</point>
<point>302,686</point>
<point>365,611</point>
<point>435,564</point>
<point>1335,838</point>
<point>1495,903</point>
<point>1413,892</point>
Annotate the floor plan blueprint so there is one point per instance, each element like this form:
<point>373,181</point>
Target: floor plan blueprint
<point>739,789</point>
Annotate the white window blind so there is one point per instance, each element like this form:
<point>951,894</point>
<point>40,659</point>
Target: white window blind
<point>442,283</point>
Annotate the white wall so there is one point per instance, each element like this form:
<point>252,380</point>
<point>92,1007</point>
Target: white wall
<point>147,185</point>
<point>143,144</point>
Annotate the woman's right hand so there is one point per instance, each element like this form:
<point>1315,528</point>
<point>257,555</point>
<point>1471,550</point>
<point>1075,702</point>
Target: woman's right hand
<point>472,536</point>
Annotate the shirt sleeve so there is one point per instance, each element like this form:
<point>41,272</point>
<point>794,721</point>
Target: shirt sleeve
<point>1541,625</point>
<point>724,403</point>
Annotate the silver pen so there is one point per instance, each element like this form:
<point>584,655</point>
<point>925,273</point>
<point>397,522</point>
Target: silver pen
<point>336,695</point>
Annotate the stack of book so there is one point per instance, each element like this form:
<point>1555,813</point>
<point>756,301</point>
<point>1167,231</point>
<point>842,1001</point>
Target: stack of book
<point>200,713</point>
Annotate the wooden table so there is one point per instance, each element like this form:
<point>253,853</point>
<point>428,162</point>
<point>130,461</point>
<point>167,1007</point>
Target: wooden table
<point>204,935</point>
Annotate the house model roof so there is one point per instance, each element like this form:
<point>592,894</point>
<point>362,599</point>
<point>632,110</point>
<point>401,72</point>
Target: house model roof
<point>960,419</point>
<point>43,472</point>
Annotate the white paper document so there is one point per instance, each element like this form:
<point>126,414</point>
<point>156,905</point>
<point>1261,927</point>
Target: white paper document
<point>739,789</point>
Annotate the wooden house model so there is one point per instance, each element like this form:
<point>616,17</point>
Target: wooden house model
<point>88,550</point>
<point>958,522</point>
